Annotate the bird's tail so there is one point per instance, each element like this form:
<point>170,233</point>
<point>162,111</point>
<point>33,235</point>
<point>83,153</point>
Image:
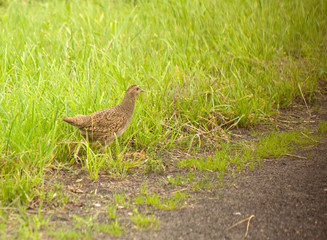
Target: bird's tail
<point>75,121</point>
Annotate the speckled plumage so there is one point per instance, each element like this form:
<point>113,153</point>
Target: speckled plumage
<point>107,124</point>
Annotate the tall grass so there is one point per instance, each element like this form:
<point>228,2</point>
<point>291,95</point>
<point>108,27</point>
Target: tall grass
<point>243,59</point>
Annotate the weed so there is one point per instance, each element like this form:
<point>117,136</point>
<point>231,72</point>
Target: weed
<point>154,200</point>
<point>86,224</point>
<point>114,228</point>
<point>89,226</point>
<point>180,180</point>
<point>140,199</point>
<point>112,211</point>
<point>278,144</point>
<point>154,165</point>
<point>243,155</point>
<point>202,183</point>
<point>2,229</point>
<point>121,199</point>
<point>69,234</point>
<point>93,162</point>
<point>162,202</point>
<point>143,189</point>
<point>144,222</point>
<point>117,163</point>
<point>56,196</point>
<point>322,127</point>
<point>30,225</point>
<point>218,162</point>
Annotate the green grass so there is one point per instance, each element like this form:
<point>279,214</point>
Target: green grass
<point>114,228</point>
<point>26,225</point>
<point>154,165</point>
<point>175,200</point>
<point>87,229</point>
<point>116,162</point>
<point>121,199</point>
<point>246,154</point>
<point>322,127</point>
<point>93,162</point>
<point>180,180</point>
<point>239,155</point>
<point>278,144</point>
<point>89,226</point>
<point>112,211</point>
<point>218,162</point>
<point>69,234</point>
<point>195,59</point>
<point>202,183</point>
<point>54,197</point>
<point>144,222</point>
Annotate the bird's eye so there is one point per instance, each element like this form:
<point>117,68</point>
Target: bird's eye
<point>137,89</point>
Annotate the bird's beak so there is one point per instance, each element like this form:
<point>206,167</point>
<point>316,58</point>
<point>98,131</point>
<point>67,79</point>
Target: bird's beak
<point>142,90</point>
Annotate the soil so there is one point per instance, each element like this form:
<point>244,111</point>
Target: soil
<point>285,198</point>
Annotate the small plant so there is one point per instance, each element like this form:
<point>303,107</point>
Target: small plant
<point>153,199</point>
<point>243,156</point>
<point>56,196</point>
<point>176,200</point>
<point>88,225</point>
<point>201,183</point>
<point>322,127</point>
<point>154,165</point>
<point>143,189</point>
<point>120,199</point>
<point>115,163</point>
<point>68,234</point>
<point>160,202</point>
<point>30,225</point>
<point>84,223</point>
<point>114,228</point>
<point>93,162</point>
<point>278,144</point>
<point>144,222</point>
<point>112,211</point>
<point>180,180</point>
<point>119,163</point>
<point>140,199</point>
<point>218,162</point>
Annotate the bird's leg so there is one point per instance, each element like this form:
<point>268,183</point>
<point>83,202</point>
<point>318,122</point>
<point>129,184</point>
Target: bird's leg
<point>77,149</point>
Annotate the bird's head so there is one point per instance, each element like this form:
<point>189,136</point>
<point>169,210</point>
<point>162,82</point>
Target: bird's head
<point>133,91</point>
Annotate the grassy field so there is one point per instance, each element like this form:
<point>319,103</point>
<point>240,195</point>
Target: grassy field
<point>202,64</point>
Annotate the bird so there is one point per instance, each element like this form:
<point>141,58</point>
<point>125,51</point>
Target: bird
<point>105,125</point>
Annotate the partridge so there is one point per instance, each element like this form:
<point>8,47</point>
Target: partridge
<point>105,125</point>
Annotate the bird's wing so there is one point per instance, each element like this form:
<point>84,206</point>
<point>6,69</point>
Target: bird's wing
<point>106,120</point>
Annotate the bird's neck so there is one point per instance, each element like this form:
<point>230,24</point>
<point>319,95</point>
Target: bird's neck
<point>128,104</point>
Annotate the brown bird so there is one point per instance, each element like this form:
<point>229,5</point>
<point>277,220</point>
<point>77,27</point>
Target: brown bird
<point>105,125</point>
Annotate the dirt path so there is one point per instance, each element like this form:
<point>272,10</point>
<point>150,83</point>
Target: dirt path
<point>288,198</point>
